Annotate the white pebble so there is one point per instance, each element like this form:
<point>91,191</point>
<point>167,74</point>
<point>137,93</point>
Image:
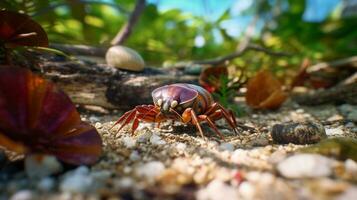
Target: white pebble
<point>46,184</point>
<point>128,142</point>
<point>351,166</point>
<point>144,137</point>
<point>217,190</point>
<point>124,183</point>
<point>156,140</point>
<point>134,156</point>
<point>226,147</point>
<point>150,170</point>
<point>349,194</point>
<point>246,190</point>
<point>305,166</point>
<point>23,195</point>
<point>39,166</point>
<point>77,181</point>
<point>333,131</point>
<point>181,146</point>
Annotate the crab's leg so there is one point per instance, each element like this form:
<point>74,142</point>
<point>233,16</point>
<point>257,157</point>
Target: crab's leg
<point>190,116</point>
<point>211,124</point>
<point>124,116</point>
<point>130,117</point>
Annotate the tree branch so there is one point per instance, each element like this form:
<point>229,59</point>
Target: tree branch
<point>125,31</point>
<point>249,47</point>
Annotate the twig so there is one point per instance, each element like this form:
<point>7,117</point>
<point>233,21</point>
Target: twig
<point>125,31</point>
<point>253,47</point>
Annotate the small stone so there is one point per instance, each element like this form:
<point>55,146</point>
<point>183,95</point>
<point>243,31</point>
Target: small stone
<point>217,190</point>
<point>305,166</point>
<point>349,194</point>
<point>77,181</point>
<point>350,125</point>
<point>39,166</point>
<point>181,146</point>
<point>351,166</point>
<point>298,133</point>
<point>226,147</point>
<point>98,125</point>
<point>246,190</point>
<point>128,142</point>
<point>150,170</point>
<point>144,137</point>
<point>124,183</point>
<point>23,195</point>
<point>134,156</point>
<point>352,116</point>
<point>156,140</point>
<point>124,58</point>
<point>46,184</point>
<point>345,109</point>
<point>334,131</point>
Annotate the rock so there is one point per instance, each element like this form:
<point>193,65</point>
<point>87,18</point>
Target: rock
<point>349,194</point>
<point>305,166</point>
<point>351,166</point>
<point>352,116</point>
<point>246,190</point>
<point>128,142</point>
<point>77,181</point>
<point>123,183</point>
<point>298,133</point>
<point>46,184</point>
<point>264,185</point>
<point>144,137</point>
<point>217,190</point>
<point>181,146</point>
<point>150,170</point>
<point>340,148</point>
<point>23,195</point>
<point>156,140</point>
<point>134,156</point>
<point>334,131</point>
<point>226,147</point>
<point>39,166</point>
<point>345,109</point>
<point>124,58</point>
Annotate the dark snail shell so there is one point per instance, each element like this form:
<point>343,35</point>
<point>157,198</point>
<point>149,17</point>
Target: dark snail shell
<point>37,117</point>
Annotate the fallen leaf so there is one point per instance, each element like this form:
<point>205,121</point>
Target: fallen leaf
<point>264,91</point>
<point>34,113</point>
<point>18,29</point>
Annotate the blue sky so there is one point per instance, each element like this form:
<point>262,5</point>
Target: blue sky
<point>211,10</point>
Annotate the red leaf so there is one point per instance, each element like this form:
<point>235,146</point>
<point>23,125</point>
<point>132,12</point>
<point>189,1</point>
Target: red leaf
<point>210,77</point>
<point>18,29</point>
<point>36,114</point>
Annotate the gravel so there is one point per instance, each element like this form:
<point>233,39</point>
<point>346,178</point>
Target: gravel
<point>172,162</point>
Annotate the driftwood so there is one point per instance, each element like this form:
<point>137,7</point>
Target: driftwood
<point>344,93</point>
<point>100,85</point>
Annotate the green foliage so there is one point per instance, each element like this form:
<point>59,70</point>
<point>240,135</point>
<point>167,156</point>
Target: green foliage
<point>170,35</point>
<point>225,96</point>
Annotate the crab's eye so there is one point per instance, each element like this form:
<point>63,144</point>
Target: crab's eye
<point>174,104</point>
<point>159,102</point>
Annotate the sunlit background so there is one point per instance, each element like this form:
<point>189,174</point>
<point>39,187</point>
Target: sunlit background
<point>177,30</point>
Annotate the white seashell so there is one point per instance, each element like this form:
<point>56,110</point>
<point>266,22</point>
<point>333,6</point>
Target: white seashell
<point>124,58</point>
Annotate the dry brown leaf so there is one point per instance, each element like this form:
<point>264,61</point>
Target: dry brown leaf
<point>264,91</point>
